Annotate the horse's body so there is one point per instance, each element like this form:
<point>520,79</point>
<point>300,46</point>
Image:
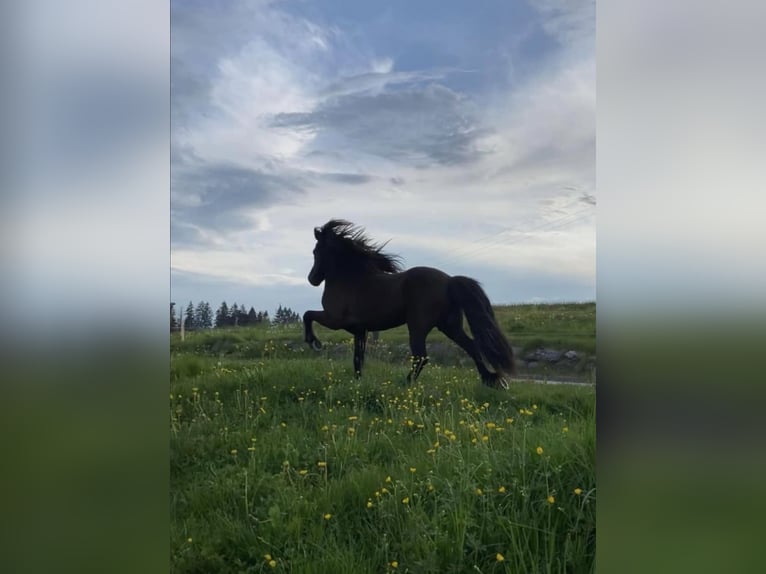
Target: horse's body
<point>366,290</point>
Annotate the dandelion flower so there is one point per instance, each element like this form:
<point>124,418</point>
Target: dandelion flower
<point>578,491</point>
<point>303,472</point>
<point>551,499</point>
<point>189,540</point>
<point>394,565</point>
<point>369,504</point>
<point>234,451</point>
<point>501,490</point>
<point>499,557</point>
<point>413,469</point>
<point>322,464</point>
<point>267,556</point>
<point>565,429</point>
<point>327,516</point>
<point>273,563</point>
<point>479,491</point>
<point>406,500</point>
<point>388,479</point>
<point>539,450</point>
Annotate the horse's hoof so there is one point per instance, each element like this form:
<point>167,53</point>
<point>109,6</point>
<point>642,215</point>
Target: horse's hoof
<point>316,345</point>
<point>502,383</point>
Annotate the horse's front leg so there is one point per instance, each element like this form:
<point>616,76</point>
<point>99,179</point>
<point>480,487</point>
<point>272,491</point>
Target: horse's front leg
<point>360,344</point>
<point>308,329</point>
<point>323,319</point>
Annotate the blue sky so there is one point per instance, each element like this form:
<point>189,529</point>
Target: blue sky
<point>463,133</point>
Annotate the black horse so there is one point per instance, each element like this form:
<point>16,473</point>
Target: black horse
<point>367,290</point>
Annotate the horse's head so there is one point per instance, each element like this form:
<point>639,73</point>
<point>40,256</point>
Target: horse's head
<point>317,273</point>
<point>343,249</point>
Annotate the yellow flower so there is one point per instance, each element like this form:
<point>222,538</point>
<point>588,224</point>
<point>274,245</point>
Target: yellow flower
<point>509,420</point>
<point>303,472</point>
<point>388,479</point>
<point>322,464</point>
<point>578,491</point>
<point>430,487</point>
<point>267,556</point>
<point>499,557</point>
<point>189,540</point>
<point>273,563</point>
<point>485,438</point>
<point>565,429</point>
<point>539,450</point>
<point>369,504</point>
<point>479,491</point>
<point>406,500</point>
<point>234,451</point>
<point>327,516</point>
<point>551,500</point>
<point>501,490</point>
<point>413,469</point>
<point>394,565</point>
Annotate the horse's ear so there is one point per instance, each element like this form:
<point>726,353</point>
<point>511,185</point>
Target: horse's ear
<point>317,233</point>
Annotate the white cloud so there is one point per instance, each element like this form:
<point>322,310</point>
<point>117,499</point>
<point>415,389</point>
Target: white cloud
<point>532,152</point>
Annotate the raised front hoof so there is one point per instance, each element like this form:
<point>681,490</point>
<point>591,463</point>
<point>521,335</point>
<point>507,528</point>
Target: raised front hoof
<point>316,345</point>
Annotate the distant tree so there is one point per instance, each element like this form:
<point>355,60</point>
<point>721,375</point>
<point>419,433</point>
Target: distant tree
<point>278,316</point>
<point>285,316</point>
<point>173,321</point>
<point>203,316</point>
<point>189,322</point>
<point>207,316</point>
<point>252,317</point>
<point>233,314</point>
<point>222,315</point>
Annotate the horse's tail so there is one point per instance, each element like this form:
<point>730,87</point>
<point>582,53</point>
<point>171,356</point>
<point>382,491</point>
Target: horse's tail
<point>492,344</point>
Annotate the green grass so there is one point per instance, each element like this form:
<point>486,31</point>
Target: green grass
<point>441,476</point>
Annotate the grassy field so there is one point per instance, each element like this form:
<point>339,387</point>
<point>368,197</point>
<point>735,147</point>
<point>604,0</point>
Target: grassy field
<point>281,461</point>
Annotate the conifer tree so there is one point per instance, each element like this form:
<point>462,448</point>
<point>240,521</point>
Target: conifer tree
<point>189,323</point>
<point>222,315</point>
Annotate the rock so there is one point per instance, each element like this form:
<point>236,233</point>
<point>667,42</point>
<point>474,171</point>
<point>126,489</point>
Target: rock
<point>571,355</point>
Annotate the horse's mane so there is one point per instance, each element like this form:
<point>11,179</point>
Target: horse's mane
<point>355,251</point>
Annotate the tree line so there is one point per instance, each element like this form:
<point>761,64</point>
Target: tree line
<point>201,316</point>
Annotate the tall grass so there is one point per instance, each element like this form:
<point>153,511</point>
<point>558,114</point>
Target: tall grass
<point>289,464</point>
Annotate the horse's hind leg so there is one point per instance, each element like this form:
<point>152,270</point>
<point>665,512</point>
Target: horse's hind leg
<point>453,328</point>
<point>360,344</point>
<point>419,356</point>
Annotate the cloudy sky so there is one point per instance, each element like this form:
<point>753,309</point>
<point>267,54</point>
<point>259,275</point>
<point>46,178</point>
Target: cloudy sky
<point>464,133</point>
